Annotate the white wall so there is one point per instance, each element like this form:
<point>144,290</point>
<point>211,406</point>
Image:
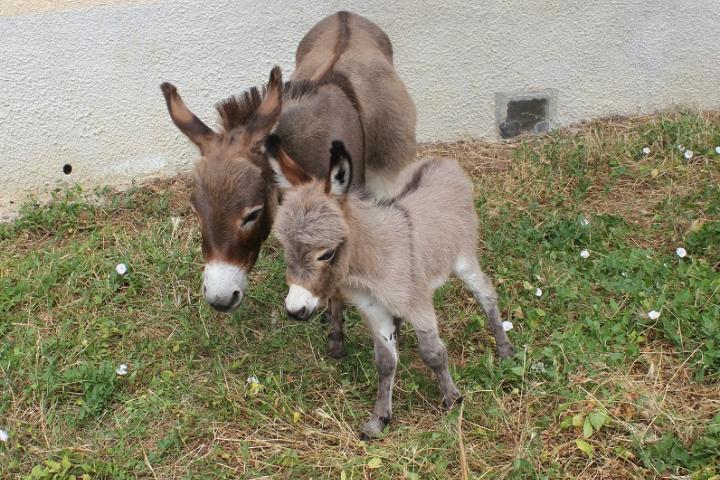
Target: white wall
<point>79,78</point>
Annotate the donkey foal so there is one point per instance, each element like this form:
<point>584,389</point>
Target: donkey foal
<point>386,257</point>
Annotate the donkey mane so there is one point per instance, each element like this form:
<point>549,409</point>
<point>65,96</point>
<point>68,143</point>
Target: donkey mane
<point>238,110</point>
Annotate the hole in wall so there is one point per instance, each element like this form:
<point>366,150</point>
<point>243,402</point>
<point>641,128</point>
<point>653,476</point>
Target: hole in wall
<point>67,169</point>
<point>526,115</point>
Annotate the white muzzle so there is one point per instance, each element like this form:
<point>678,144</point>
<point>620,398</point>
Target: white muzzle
<point>300,303</point>
<point>224,285</point>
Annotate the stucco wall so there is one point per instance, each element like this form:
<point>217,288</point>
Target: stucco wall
<point>79,78</point>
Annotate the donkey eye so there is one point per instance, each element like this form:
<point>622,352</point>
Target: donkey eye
<point>327,255</point>
<point>252,216</point>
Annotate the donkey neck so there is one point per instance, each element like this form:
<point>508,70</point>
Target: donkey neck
<point>311,119</point>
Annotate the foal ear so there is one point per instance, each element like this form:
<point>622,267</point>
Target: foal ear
<point>340,175</point>
<point>269,110</point>
<point>287,172</point>
<point>184,119</point>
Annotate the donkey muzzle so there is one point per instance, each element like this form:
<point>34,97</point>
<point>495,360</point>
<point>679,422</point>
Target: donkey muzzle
<point>224,285</point>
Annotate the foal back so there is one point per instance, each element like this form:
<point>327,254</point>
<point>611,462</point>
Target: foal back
<point>437,197</point>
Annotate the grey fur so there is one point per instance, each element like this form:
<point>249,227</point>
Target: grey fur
<point>391,255</point>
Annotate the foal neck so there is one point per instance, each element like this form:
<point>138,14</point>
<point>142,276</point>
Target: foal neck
<point>377,237</point>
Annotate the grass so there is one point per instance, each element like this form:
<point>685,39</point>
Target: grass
<point>597,389</point>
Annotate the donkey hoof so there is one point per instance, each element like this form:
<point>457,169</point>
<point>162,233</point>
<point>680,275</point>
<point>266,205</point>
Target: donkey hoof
<point>336,349</point>
<point>373,427</point>
<point>506,351</point>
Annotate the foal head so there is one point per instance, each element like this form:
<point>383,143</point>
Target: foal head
<point>233,195</point>
<point>311,227</point>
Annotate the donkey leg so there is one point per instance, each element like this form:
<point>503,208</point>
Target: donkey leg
<point>382,327</point>
<point>475,280</point>
<point>336,338</point>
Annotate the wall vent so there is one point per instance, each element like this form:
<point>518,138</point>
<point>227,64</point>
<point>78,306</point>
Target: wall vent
<point>524,113</point>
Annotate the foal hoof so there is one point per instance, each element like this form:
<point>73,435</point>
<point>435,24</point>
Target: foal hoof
<point>506,351</point>
<point>450,402</point>
<point>373,427</point>
<point>336,349</point>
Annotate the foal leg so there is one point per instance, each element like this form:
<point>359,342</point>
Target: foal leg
<point>336,338</point>
<point>475,280</point>
<point>435,355</point>
<point>382,328</point>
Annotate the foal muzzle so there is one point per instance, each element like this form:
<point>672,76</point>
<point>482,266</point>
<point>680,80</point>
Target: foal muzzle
<point>300,303</point>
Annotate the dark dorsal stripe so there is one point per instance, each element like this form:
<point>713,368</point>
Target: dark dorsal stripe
<point>410,234</point>
<point>237,111</point>
<point>409,188</point>
<point>343,39</point>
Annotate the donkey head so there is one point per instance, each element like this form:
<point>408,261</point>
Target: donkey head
<point>233,196</point>
<point>311,226</point>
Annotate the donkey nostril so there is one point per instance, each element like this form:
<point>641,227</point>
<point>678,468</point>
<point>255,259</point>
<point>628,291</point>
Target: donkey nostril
<point>236,295</point>
<point>302,313</point>
<point>204,290</point>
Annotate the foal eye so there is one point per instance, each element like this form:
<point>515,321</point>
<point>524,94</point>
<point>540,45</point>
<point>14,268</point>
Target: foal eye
<point>327,255</point>
<point>252,216</point>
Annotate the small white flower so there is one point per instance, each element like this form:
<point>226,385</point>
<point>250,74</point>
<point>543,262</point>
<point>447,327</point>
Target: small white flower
<point>122,369</point>
<point>646,150</point>
<point>538,292</point>
<point>681,252</point>
<point>538,367</point>
<point>688,154</point>
<point>624,274</point>
<point>653,314</point>
<point>4,436</point>
<point>584,222</point>
<point>252,379</point>
<point>507,325</point>
<point>121,268</point>
<point>681,148</point>
<point>584,254</point>
<point>717,150</point>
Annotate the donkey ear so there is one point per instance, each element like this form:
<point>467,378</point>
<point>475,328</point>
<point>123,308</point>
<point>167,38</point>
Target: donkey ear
<point>287,172</point>
<point>269,110</point>
<point>340,175</point>
<point>184,119</point>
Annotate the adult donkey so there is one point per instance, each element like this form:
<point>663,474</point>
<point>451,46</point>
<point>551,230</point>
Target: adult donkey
<point>344,87</point>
